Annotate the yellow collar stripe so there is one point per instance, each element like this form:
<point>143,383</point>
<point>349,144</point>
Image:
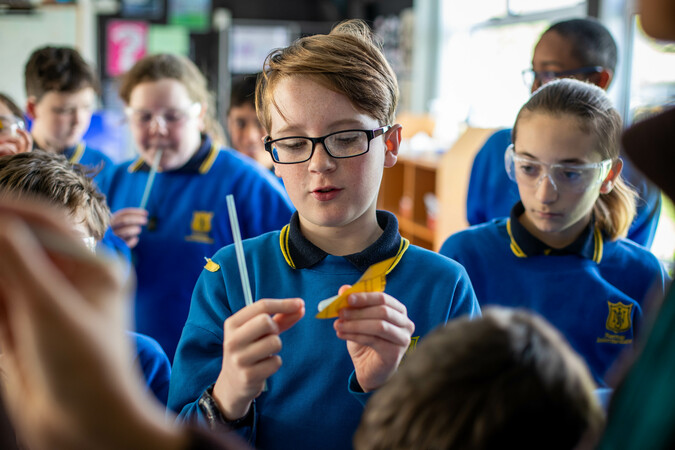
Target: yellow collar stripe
<point>598,245</point>
<point>208,162</point>
<point>136,165</point>
<point>283,241</point>
<point>77,154</point>
<point>401,250</point>
<point>286,231</point>
<point>514,245</point>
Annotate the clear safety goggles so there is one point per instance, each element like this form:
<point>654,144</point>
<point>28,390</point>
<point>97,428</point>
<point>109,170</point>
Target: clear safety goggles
<point>576,178</point>
<point>9,125</point>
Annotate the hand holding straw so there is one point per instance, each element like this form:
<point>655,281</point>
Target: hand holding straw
<point>241,260</point>
<point>151,178</point>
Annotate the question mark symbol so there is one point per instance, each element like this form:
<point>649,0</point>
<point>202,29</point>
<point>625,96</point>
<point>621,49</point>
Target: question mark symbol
<point>128,39</point>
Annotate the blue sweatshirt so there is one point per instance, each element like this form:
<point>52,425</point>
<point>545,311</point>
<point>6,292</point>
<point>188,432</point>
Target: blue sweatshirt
<point>593,291</point>
<point>313,401</point>
<point>189,221</point>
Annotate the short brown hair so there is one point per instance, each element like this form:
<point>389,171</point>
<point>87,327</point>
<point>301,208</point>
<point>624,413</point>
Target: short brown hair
<point>614,211</point>
<point>52,178</point>
<point>58,69</point>
<point>505,380</point>
<point>347,61</point>
<point>165,65</point>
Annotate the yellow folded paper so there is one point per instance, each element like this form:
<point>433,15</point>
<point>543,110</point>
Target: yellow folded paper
<point>373,280</point>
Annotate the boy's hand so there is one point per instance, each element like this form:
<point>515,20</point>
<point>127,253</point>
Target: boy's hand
<point>250,346</point>
<point>377,330</point>
<point>127,224</point>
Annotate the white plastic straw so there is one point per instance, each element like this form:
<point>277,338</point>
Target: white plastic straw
<point>151,178</point>
<point>239,249</point>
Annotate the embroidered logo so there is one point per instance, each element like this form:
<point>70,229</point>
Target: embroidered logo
<point>618,321</point>
<point>411,348</point>
<point>201,227</point>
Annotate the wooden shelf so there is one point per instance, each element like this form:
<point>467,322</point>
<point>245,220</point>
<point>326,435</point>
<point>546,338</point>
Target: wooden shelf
<point>402,192</point>
<point>404,186</point>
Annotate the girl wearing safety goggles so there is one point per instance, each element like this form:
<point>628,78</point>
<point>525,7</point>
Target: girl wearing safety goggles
<point>562,252</point>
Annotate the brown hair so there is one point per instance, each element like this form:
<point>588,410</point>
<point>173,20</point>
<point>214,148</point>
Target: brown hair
<point>49,176</point>
<point>505,380</point>
<point>11,105</point>
<point>164,65</point>
<point>588,103</point>
<point>347,61</point>
<point>58,69</point>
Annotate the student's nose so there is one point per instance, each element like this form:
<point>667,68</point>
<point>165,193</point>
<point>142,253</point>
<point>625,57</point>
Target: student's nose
<point>547,191</point>
<point>158,125</point>
<point>321,161</point>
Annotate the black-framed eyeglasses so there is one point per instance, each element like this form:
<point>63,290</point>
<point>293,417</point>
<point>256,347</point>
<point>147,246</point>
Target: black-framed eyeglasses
<point>545,76</point>
<point>340,144</point>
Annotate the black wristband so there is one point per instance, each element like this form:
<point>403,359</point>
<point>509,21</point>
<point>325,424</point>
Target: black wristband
<point>214,416</point>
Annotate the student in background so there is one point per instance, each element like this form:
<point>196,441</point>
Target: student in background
<point>185,218</point>
<point>68,375</point>
<point>328,103</point>
<point>561,252</point>
<point>50,177</point>
<point>582,49</point>
<point>61,93</point>
<point>243,127</point>
<point>505,380</point>
<point>13,135</point>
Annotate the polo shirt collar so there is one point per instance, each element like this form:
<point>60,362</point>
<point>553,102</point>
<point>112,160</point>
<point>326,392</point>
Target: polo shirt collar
<point>588,245</point>
<point>200,162</point>
<point>300,253</point>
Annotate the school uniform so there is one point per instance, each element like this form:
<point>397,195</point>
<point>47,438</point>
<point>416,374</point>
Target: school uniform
<point>491,193</point>
<point>189,221</point>
<point>154,364</point>
<point>313,401</point>
<point>89,157</point>
<point>594,291</point>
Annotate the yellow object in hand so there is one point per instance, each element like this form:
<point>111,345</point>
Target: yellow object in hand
<point>373,280</point>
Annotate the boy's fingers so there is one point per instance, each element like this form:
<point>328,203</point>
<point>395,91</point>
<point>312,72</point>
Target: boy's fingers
<point>367,299</point>
<point>266,306</point>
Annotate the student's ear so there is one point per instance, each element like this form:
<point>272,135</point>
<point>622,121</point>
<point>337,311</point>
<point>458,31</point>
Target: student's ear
<point>392,141</point>
<point>602,79</point>
<point>31,103</point>
<point>613,174</point>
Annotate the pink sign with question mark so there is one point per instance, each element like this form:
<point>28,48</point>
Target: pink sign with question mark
<point>127,42</point>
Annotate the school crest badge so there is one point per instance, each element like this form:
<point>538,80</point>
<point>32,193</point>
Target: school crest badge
<point>201,225</point>
<point>619,317</point>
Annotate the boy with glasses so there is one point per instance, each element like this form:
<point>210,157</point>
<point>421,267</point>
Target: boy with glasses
<point>273,371</point>
<point>582,49</point>
<point>61,89</point>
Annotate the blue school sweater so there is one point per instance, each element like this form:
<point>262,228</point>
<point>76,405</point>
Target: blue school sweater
<point>313,401</point>
<point>189,221</point>
<point>89,157</point>
<point>154,364</point>
<point>491,193</point>
<point>593,291</point>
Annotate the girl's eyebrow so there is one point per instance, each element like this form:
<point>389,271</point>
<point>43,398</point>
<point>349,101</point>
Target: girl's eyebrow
<point>564,161</point>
